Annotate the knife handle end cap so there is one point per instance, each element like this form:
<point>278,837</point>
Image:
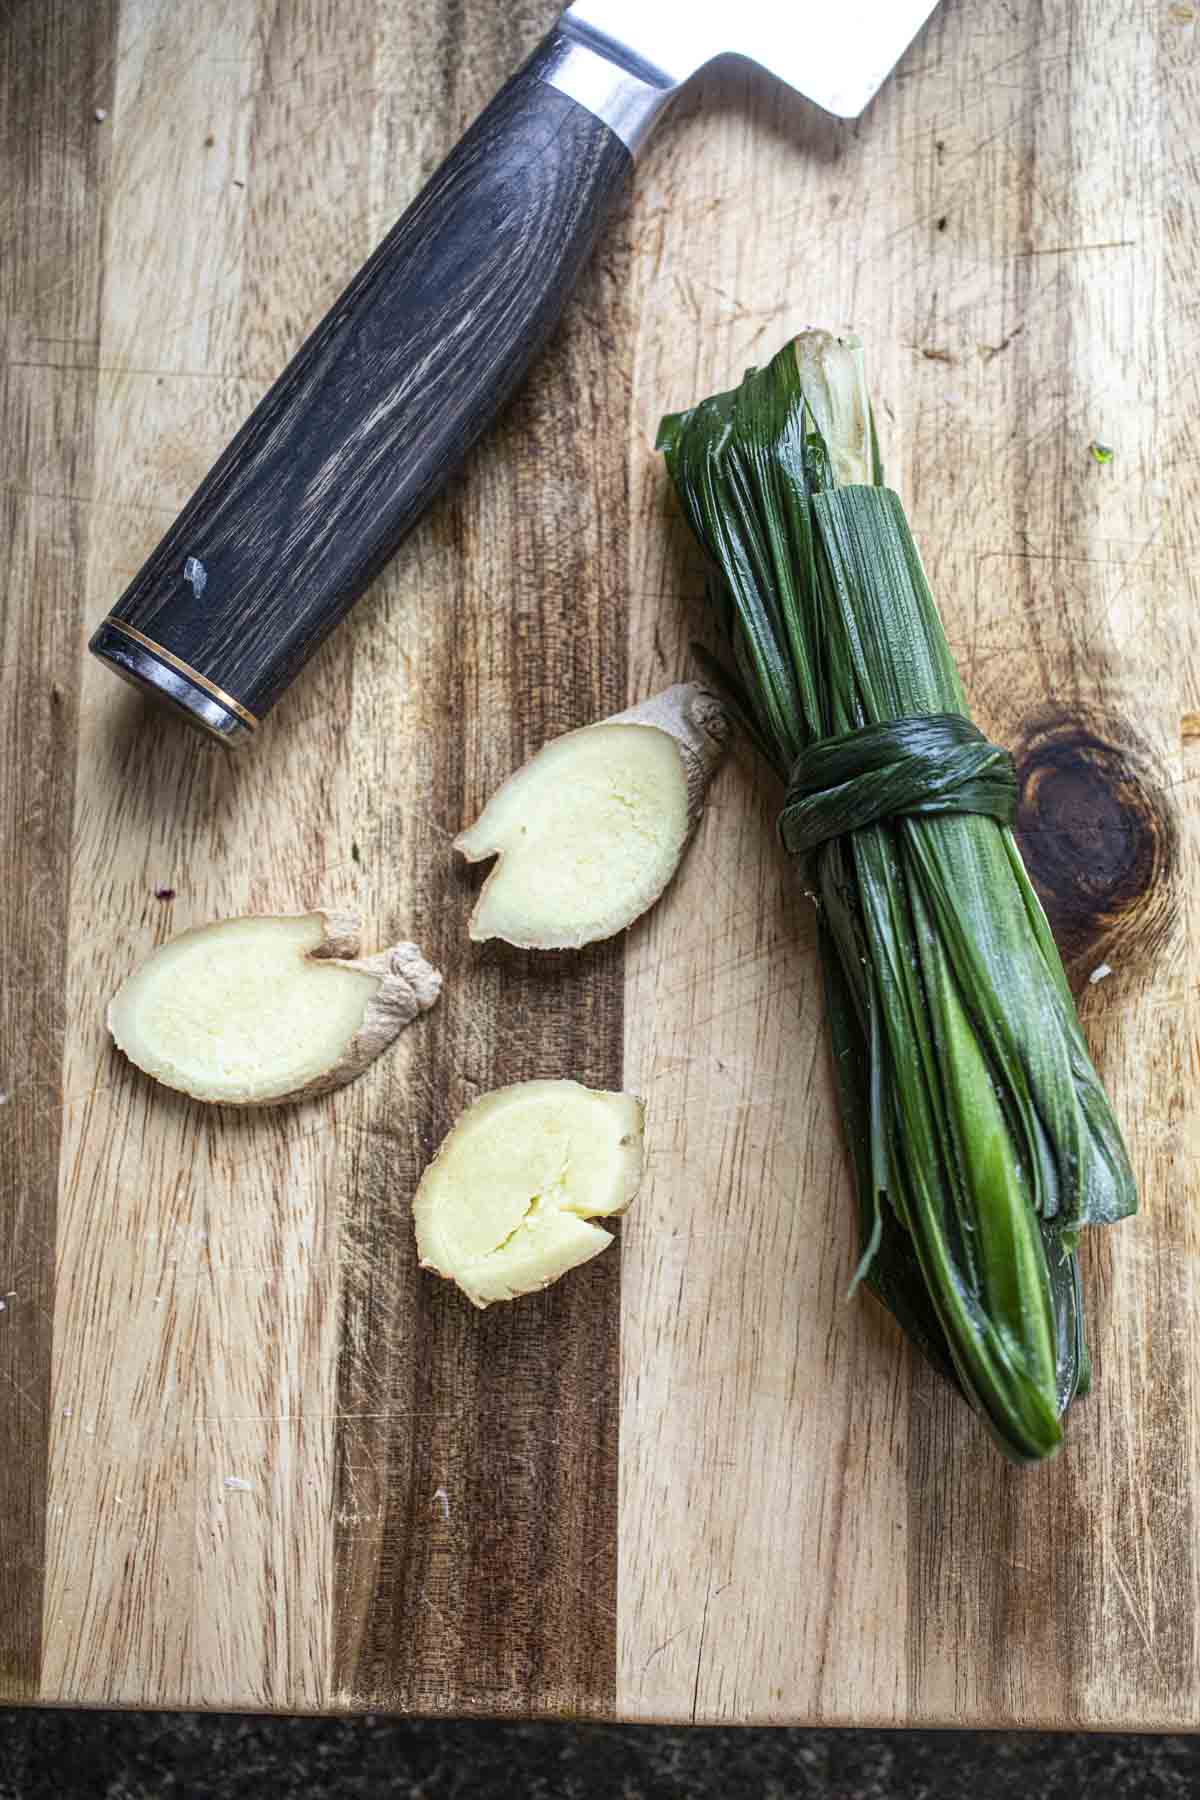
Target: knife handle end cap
<point>147,668</point>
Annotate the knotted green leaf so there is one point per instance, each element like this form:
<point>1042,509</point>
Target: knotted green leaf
<point>934,763</point>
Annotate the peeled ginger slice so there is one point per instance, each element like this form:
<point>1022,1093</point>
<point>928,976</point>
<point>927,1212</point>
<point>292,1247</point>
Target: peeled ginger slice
<point>505,1207</point>
<point>591,829</point>
<point>261,1010</point>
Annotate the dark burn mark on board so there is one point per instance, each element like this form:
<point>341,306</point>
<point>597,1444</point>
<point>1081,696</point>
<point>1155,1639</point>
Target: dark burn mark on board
<point>1098,833</point>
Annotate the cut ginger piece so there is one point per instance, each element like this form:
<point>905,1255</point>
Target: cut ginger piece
<point>262,1010</point>
<point>591,829</point>
<point>506,1205</point>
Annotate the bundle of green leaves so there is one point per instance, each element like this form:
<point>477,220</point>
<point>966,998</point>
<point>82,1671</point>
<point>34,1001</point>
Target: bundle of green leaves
<point>981,1138</point>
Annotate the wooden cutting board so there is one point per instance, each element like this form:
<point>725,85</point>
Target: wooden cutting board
<point>249,1456</point>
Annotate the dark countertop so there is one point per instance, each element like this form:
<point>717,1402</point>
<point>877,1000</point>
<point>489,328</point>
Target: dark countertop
<point>186,1756</point>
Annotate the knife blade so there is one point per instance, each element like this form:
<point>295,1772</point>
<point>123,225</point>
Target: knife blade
<point>837,57</point>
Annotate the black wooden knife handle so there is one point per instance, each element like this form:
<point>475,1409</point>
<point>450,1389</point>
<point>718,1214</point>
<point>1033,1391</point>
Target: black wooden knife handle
<point>372,414</point>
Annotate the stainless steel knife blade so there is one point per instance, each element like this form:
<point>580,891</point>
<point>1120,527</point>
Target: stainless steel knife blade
<point>837,56</point>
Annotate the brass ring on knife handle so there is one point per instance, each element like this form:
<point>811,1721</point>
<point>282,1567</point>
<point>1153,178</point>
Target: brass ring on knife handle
<point>184,668</point>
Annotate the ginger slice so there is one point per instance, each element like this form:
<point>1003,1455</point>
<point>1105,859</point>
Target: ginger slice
<point>262,1010</point>
<point>591,829</point>
<point>504,1208</point>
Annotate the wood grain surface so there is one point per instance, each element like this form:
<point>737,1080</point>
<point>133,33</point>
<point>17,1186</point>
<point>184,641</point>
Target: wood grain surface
<point>251,1457</point>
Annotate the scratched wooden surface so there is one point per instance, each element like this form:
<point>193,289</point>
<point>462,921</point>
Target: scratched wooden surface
<point>691,1482</point>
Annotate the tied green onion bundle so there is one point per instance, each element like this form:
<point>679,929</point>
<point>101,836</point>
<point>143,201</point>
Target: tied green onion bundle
<point>981,1139</point>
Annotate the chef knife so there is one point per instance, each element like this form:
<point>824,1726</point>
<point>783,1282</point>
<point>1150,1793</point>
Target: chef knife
<point>380,405</point>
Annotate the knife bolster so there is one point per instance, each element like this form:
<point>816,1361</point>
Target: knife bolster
<point>628,96</point>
